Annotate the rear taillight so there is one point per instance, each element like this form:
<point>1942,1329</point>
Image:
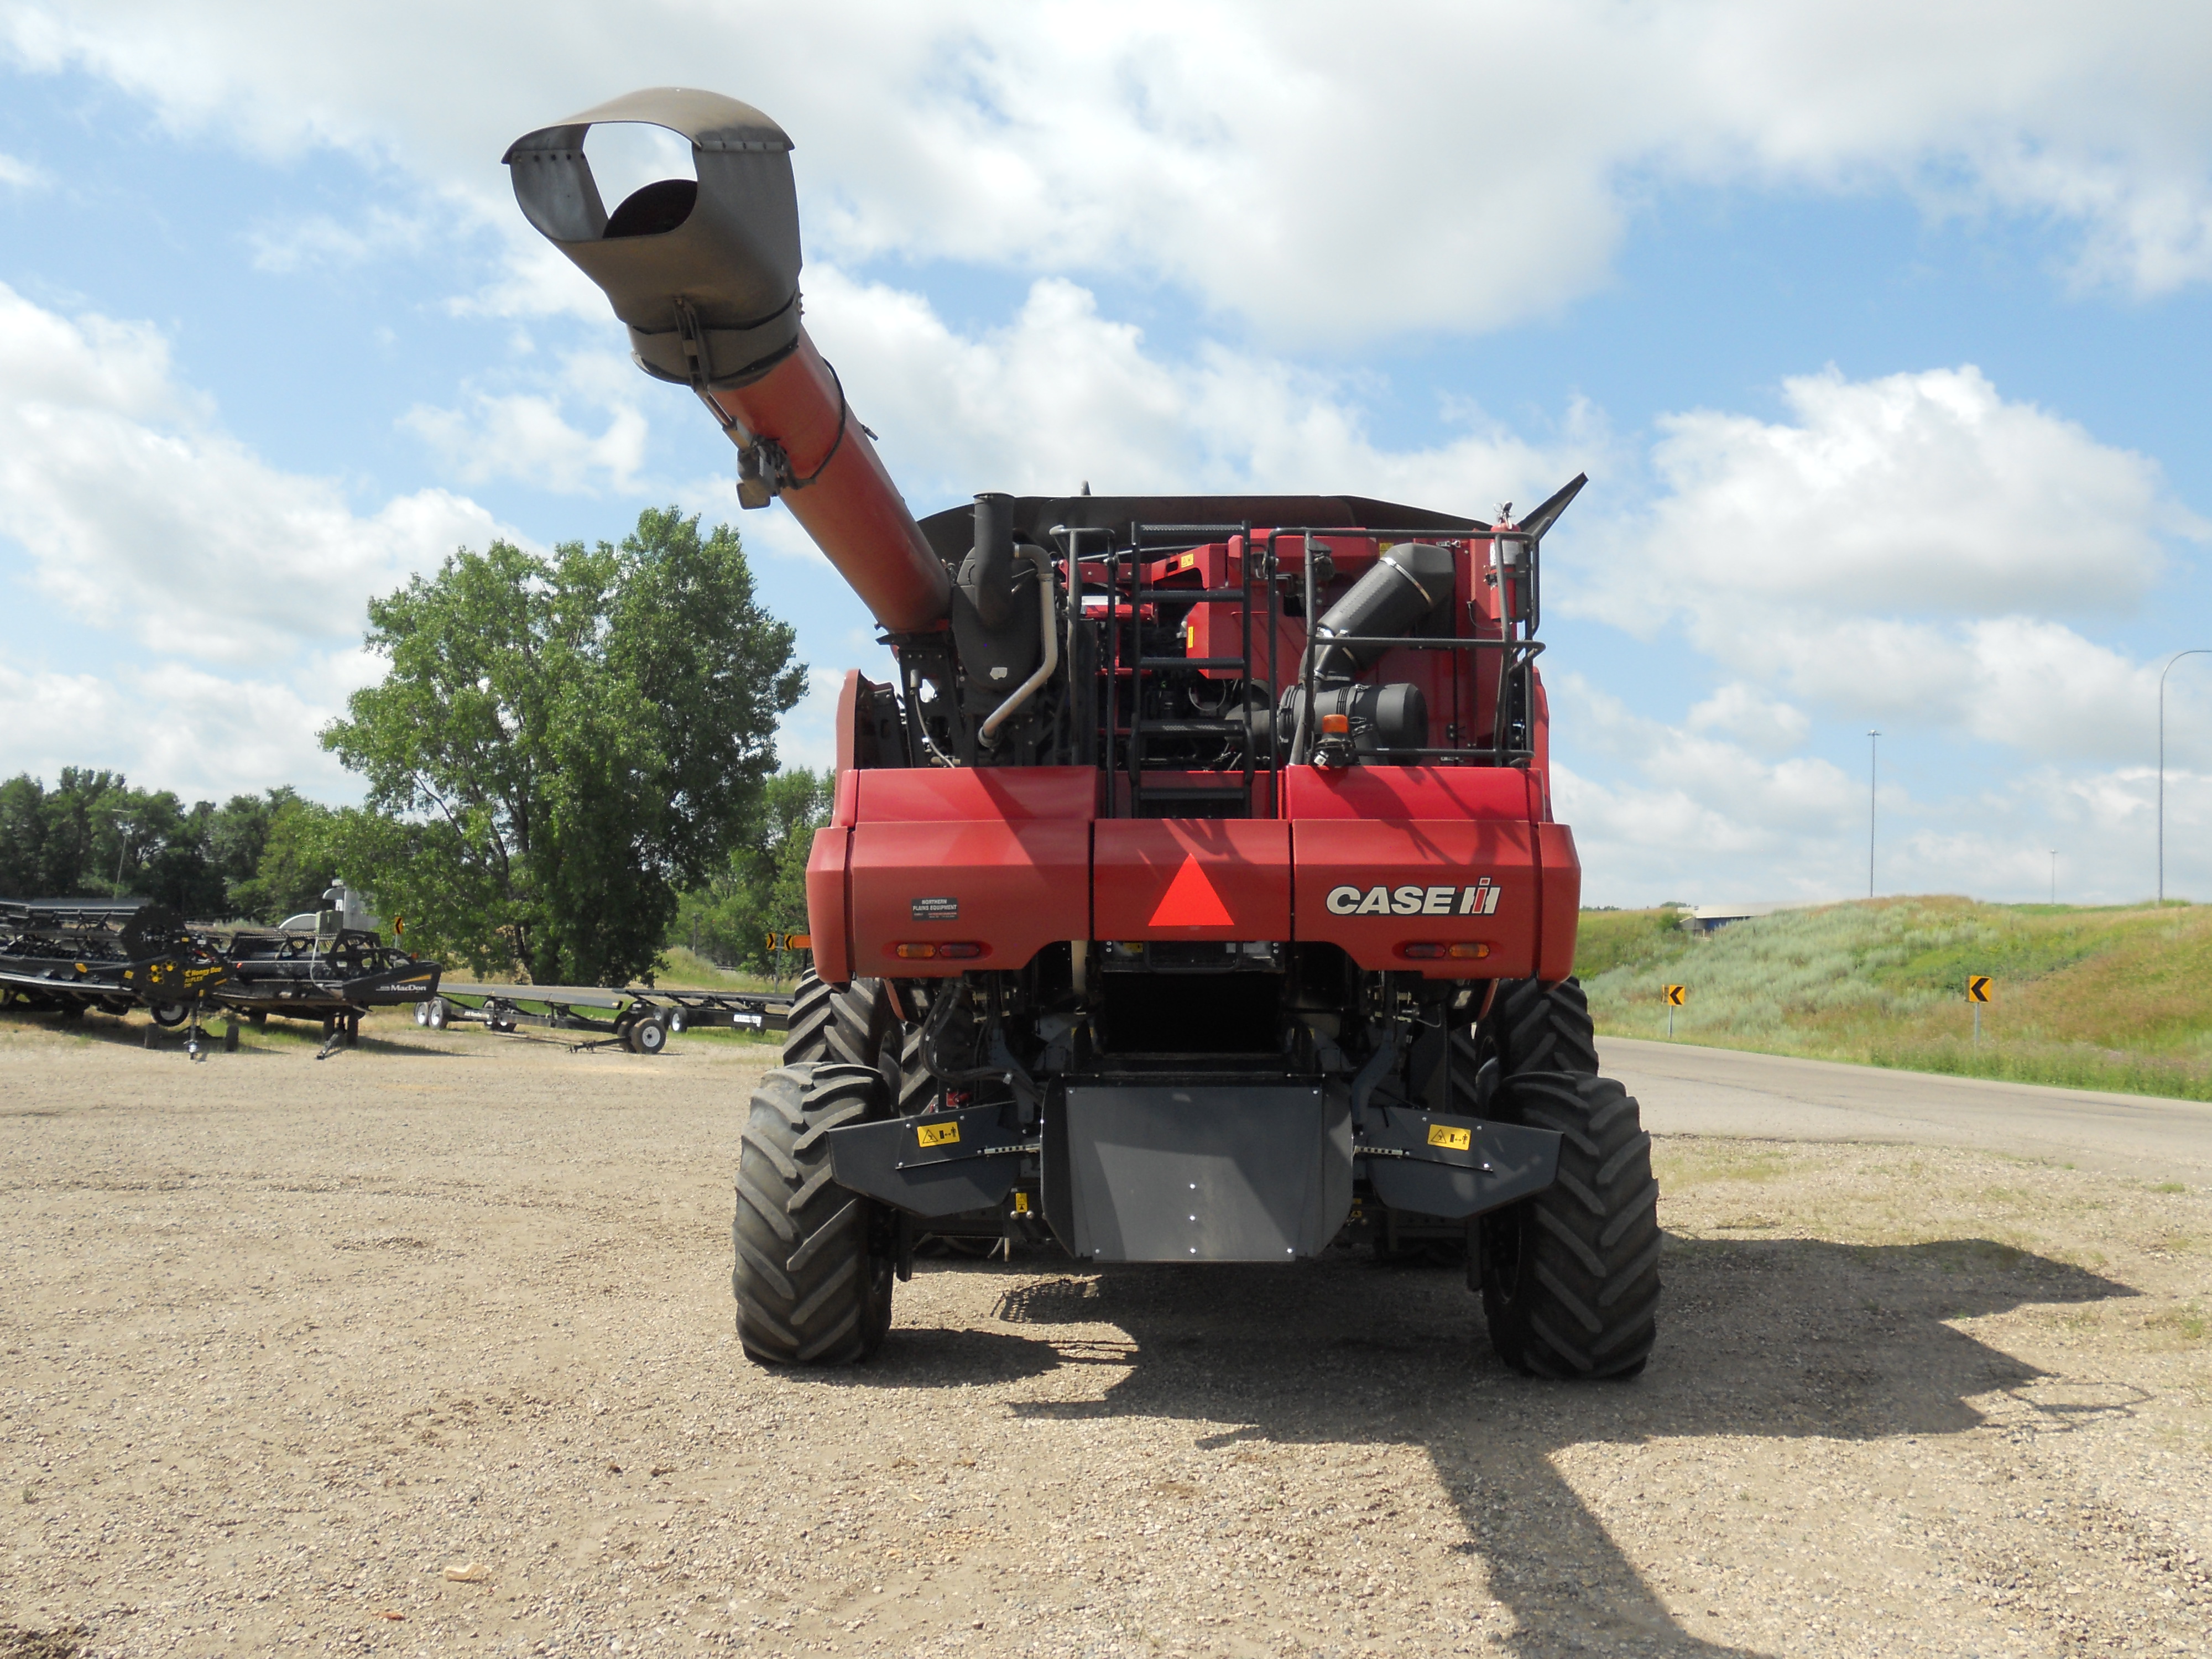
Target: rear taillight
<point>924,950</point>
<point>1434,949</point>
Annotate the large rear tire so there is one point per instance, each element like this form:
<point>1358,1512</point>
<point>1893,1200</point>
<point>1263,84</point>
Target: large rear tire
<point>858,1024</point>
<point>849,1023</point>
<point>1531,1027</point>
<point>1570,1276</point>
<point>814,1260</point>
<point>1535,1027</point>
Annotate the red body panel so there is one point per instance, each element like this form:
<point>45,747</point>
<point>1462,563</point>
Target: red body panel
<point>1012,886</point>
<point>1454,833</point>
<point>1369,858</point>
<point>829,916</point>
<point>1191,878</point>
<point>1434,877</point>
<point>960,795</point>
<point>994,856</point>
<point>1408,791</point>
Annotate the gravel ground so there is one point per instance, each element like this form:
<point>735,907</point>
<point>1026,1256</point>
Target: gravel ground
<point>426,1349</point>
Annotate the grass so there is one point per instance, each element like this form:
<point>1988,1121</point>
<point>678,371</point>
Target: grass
<point>688,971</point>
<point>2113,999</point>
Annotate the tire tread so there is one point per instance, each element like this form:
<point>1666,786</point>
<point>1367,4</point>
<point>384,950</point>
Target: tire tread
<point>810,1287</point>
<point>1586,1296</point>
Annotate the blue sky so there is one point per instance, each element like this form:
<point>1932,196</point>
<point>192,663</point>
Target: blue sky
<point>1878,328</point>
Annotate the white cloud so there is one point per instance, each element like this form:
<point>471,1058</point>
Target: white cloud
<point>18,174</point>
<point>1750,716</point>
<point>1060,394</point>
<point>281,246</point>
<point>1922,493</point>
<point>1681,815</point>
<point>526,435</point>
<point>1913,548</point>
<point>140,512</point>
<point>169,725</point>
<point>1252,152</point>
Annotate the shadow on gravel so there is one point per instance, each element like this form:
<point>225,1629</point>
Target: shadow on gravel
<point>1781,1337</point>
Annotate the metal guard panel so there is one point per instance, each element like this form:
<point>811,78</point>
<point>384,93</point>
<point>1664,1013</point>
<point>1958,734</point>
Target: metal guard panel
<point>1414,1163</point>
<point>970,1163</point>
<point>1191,878</point>
<point>1010,887</point>
<point>1489,793</point>
<point>952,794</point>
<point>1205,1174</point>
<point>1436,878</point>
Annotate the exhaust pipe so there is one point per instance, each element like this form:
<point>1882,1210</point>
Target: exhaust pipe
<point>705,274</point>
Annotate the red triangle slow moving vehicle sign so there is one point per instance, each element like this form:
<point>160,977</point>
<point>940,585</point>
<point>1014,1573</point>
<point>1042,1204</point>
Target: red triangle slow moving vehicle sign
<point>1190,900</point>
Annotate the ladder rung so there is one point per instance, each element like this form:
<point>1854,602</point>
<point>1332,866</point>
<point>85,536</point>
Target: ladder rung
<point>1203,792</point>
<point>1191,662</point>
<point>1206,593</point>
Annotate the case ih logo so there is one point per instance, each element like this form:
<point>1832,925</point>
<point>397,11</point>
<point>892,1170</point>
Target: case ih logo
<point>1479,900</point>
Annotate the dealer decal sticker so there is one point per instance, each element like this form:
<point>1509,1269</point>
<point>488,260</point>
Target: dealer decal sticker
<point>1479,900</point>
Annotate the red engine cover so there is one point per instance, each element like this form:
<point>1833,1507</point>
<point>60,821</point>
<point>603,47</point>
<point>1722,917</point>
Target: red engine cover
<point>1191,878</point>
<point>1373,793</point>
<point>1375,888</point>
<point>994,857</point>
<point>1394,856</point>
<point>1373,859</point>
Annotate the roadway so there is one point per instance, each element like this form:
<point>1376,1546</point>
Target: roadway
<point>1687,1090</point>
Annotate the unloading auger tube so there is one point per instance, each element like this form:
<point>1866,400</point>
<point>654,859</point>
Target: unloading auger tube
<point>1196,896</point>
<point>705,274</point>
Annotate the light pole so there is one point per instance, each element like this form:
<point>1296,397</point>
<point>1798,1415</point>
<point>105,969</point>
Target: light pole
<point>2054,875</point>
<point>2195,651</point>
<point>1873,755</point>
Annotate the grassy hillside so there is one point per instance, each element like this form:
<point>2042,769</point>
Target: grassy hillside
<point>2092,999</point>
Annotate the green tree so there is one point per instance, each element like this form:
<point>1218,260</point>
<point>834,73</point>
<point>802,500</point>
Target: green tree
<point>762,888</point>
<point>92,835</point>
<point>562,742</point>
<point>292,863</point>
<point>22,837</point>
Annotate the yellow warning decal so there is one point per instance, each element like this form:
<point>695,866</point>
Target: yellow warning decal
<point>1443,1135</point>
<point>1021,1203</point>
<point>937,1134</point>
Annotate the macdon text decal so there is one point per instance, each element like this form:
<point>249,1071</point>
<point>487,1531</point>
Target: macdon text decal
<point>1479,900</point>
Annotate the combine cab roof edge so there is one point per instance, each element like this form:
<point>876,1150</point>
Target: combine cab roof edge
<point>951,531</point>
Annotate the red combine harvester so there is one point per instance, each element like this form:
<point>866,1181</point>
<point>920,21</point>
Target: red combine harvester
<point>1192,896</point>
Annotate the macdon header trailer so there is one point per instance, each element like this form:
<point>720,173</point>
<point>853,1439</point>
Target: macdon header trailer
<point>1192,896</point>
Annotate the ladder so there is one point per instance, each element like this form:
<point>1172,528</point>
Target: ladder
<point>1156,791</point>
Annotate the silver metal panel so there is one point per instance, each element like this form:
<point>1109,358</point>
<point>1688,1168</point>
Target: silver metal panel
<point>1205,1174</point>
